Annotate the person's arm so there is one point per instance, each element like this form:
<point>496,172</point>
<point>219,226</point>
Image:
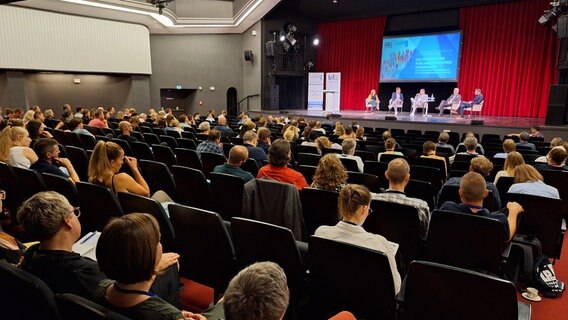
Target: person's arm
<point>73,176</point>
<point>30,154</point>
<point>137,185</point>
<point>59,125</point>
<point>514,210</point>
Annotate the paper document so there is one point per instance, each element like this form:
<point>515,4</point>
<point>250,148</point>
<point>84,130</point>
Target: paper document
<point>87,245</point>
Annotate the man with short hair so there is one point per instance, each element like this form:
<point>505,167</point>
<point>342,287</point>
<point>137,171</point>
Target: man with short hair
<point>443,139</point>
<point>525,137</point>
<point>348,146</point>
<point>508,147</point>
<point>263,141</point>
<point>277,169</point>
<point>76,126</point>
<point>126,131</point>
<point>49,218</point>
<point>98,120</point>
<point>222,125</point>
<point>483,166</point>
<point>237,156</point>
<point>455,97</point>
<point>328,120</point>
<point>250,139</point>
<point>212,144</point>
<point>477,99</point>
<point>472,192</point>
<point>398,175</point>
<point>47,151</point>
<point>470,144</point>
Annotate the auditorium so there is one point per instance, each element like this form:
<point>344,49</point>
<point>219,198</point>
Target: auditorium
<point>283,159</point>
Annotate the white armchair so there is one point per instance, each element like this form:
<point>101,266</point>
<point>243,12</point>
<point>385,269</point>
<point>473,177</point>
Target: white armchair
<point>477,108</point>
<point>397,104</point>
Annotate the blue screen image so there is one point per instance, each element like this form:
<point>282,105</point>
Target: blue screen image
<point>418,58</point>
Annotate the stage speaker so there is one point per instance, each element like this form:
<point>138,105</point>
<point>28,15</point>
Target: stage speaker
<point>248,55</point>
<point>562,27</point>
<point>477,122</point>
<point>269,48</point>
<point>557,102</point>
<point>390,118</point>
<point>335,115</point>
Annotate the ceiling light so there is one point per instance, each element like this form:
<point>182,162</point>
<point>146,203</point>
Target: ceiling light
<point>316,41</point>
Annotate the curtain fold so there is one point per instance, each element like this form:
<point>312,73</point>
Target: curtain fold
<point>509,56</point>
<point>353,48</point>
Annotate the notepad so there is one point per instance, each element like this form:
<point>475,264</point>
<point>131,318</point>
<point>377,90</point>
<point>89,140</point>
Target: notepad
<point>87,245</point>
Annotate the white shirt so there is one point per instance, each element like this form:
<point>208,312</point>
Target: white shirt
<point>360,164</point>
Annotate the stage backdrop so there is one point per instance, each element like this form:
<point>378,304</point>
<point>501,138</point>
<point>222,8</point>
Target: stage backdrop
<point>352,48</point>
<point>509,55</point>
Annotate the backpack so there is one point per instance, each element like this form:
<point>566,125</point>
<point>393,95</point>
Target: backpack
<point>529,267</point>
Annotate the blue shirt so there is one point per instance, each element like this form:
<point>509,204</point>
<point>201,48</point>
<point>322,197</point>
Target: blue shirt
<point>234,171</point>
<point>208,146</point>
<point>537,188</point>
<point>43,166</point>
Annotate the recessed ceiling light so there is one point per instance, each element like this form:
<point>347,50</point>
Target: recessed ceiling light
<point>334,1</point>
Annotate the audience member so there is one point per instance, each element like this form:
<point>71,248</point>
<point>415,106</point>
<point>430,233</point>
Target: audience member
<point>204,127</point>
<point>76,126</point>
<point>323,142</point>
<point>508,147</point>
<point>98,120</point>
<point>348,133</point>
<point>443,139</point>
<point>348,151</point>
<point>556,160</point>
<point>212,144</point>
<point>354,208</point>
<point>330,174</point>
<point>237,156</point>
<point>513,160</point>
<point>126,130</point>
<point>35,129</point>
<point>472,192</point>
<point>398,175</point>
<point>264,139</point>
<point>429,151</point>
<point>222,125</point>
<point>525,137</point>
<point>279,155</point>
<point>15,147</point>
<point>529,181</point>
<point>250,140</point>
<point>49,162</point>
<point>471,146</point>
<point>555,142</point>
<point>477,144</point>
<point>339,129</point>
<point>360,134</point>
<point>390,145</point>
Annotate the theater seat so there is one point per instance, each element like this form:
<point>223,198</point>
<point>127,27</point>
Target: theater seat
<point>75,307</point>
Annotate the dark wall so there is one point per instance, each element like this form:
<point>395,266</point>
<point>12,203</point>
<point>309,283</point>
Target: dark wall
<point>423,22</point>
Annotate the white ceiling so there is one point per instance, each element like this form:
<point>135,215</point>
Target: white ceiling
<point>180,16</point>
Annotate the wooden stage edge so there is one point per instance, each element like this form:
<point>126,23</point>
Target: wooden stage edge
<point>492,124</point>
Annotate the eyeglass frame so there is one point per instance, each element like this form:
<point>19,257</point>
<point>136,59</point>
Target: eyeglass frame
<point>76,211</point>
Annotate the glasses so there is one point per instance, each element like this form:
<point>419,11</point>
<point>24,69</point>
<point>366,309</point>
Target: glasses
<point>76,211</point>
<point>370,210</point>
<point>2,194</point>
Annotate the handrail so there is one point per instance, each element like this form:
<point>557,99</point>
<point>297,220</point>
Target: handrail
<point>247,99</point>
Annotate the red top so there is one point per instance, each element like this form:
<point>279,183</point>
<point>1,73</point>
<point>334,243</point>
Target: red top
<point>283,174</point>
<point>97,123</point>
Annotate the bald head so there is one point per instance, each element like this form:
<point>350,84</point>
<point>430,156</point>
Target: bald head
<point>222,120</point>
<point>473,188</point>
<point>125,127</point>
<point>398,172</point>
<point>238,155</point>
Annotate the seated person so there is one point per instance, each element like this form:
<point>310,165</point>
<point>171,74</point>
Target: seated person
<point>396,100</point>
<point>323,142</point>
<point>525,137</point>
<point>508,146</point>
<point>49,161</point>
<point>222,125</point>
<point>429,149</point>
<point>129,252</point>
<point>443,139</point>
<point>482,166</point>
<point>212,144</point>
<point>260,291</point>
<point>237,156</point>
<point>330,174</point>
<point>76,125</point>
<point>472,192</point>
<point>49,218</point>
<point>477,144</point>
<point>372,100</point>
<point>477,99</point>
<point>529,181</point>
<point>354,206</point>
<point>455,97</point>
<point>348,133</point>
<point>390,145</point>
<point>556,160</point>
<point>264,139</point>
<point>277,168</point>
<point>555,142</point>
<point>348,151</point>
<point>126,131</point>
<point>513,160</point>
<point>398,175</point>
<point>419,101</point>
<point>15,147</point>
<point>250,140</point>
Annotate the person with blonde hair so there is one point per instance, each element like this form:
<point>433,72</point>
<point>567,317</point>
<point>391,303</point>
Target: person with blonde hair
<point>360,134</point>
<point>15,147</point>
<point>508,147</point>
<point>529,181</point>
<point>330,174</point>
<point>323,142</point>
<point>289,134</point>
<point>513,160</point>
<point>354,205</point>
<point>390,145</point>
<point>348,133</point>
<point>339,129</point>
<point>29,115</point>
<point>204,127</point>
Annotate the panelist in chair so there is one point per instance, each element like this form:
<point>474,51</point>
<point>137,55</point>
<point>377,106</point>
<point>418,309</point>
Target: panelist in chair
<point>396,100</point>
<point>420,100</point>
<point>372,100</point>
<point>455,97</point>
<point>477,99</point>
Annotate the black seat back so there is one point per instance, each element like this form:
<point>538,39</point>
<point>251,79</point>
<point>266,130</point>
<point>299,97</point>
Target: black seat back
<point>164,154</point>
<point>141,150</point>
<point>95,217</point>
<point>188,158</point>
<point>368,180</point>
<point>30,180</point>
<point>74,307</point>
<point>63,186</point>
<point>192,188</point>
<point>227,190</point>
<point>210,161</point>
<point>319,208</point>
<point>158,177</point>
<point>80,161</point>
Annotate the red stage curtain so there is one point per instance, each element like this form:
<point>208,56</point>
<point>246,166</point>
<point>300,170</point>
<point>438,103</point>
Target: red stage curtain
<point>509,55</point>
<point>353,48</point>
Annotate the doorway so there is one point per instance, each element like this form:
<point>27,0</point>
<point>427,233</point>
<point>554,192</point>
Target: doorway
<point>232,107</point>
<point>177,99</point>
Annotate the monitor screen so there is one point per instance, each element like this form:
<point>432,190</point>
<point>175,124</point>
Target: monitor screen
<point>420,58</point>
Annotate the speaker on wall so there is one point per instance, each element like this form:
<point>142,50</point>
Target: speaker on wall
<point>557,105</point>
<point>248,55</point>
<point>269,48</point>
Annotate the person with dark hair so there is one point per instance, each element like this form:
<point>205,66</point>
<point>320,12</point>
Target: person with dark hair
<point>429,151</point>
<point>98,120</point>
<point>35,129</point>
<point>129,252</point>
<point>49,162</point>
<point>555,160</point>
<point>525,137</point>
<point>390,146</point>
<point>212,144</point>
<point>76,126</point>
<point>250,140</point>
<point>264,139</point>
<point>477,99</point>
<point>472,192</point>
<point>535,131</point>
<point>237,156</point>
<point>354,205</point>
<point>279,155</point>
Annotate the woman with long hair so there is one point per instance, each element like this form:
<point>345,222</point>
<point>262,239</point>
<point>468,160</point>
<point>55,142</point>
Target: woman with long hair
<point>15,147</point>
<point>511,162</point>
<point>529,181</point>
<point>330,174</point>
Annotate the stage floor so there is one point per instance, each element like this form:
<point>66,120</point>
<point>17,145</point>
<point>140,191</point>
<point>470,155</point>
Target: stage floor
<point>491,124</point>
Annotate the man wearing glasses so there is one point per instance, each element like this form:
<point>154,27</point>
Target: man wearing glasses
<point>49,218</point>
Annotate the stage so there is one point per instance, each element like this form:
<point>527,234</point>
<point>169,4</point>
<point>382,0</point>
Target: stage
<point>491,124</point>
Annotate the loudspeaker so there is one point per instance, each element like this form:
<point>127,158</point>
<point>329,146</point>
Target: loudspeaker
<point>269,48</point>
<point>248,55</point>
<point>557,102</point>
<point>477,122</point>
<point>390,118</point>
<point>562,27</point>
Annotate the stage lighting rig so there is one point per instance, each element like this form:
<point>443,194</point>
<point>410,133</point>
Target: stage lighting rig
<point>160,4</point>
<point>557,8</point>
<point>287,37</point>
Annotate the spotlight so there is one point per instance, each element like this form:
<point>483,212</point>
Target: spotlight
<point>557,8</point>
<point>548,16</point>
<point>282,36</point>
<point>316,41</point>
<point>291,38</point>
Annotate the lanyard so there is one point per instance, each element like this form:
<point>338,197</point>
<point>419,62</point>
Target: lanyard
<point>471,206</point>
<point>146,293</point>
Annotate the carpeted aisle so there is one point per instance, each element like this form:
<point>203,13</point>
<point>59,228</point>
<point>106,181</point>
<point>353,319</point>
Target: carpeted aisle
<point>553,309</point>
